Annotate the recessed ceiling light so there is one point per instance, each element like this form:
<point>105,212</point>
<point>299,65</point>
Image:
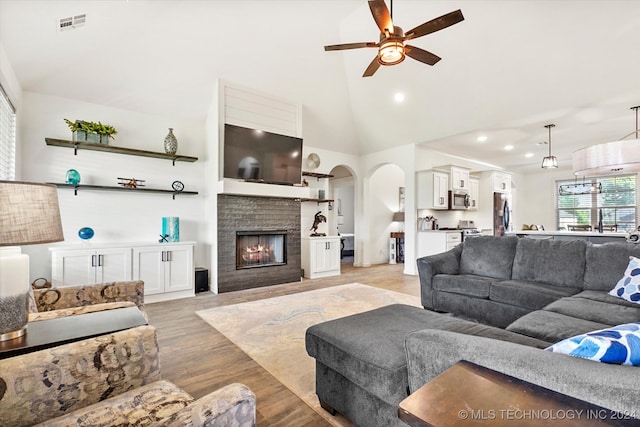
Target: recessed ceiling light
<point>528,155</point>
<point>508,147</point>
<point>399,97</point>
<point>482,138</point>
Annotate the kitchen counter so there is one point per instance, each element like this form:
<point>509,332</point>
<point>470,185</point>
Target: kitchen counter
<point>590,236</point>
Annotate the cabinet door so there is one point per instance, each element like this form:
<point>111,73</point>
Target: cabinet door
<point>149,267</point>
<point>474,193</point>
<point>502,183</point>
<point>73,267</point>
<point>440,191</point>
<point>178,269</point>
<point>459,179</point>
<point>318,255</point>
<point>332,255</point>
<point>113,265</point>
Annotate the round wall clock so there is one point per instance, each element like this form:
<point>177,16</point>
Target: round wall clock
<point>177,186</point>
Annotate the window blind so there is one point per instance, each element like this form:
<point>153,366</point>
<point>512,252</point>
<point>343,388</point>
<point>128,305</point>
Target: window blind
<point>617,202</point>
<point>7,137</point>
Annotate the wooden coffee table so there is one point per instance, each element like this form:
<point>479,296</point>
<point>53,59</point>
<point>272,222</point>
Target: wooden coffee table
<point>62,330</point>
<point>468,394</point>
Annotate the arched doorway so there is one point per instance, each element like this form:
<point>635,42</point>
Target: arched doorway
<point>342,219</point>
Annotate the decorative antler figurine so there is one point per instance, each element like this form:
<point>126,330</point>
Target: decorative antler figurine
<point>318,218</point>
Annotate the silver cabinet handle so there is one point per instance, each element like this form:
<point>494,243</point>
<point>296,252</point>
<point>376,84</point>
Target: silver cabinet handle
<point>164,256</point>
<point>168,256</point>
<point>100,260</point>
<point>93,260</point>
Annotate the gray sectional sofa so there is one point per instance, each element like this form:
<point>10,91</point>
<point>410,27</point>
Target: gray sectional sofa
<point>494,301</point>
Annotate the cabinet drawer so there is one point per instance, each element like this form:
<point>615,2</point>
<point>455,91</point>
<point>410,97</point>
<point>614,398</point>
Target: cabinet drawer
<point>454,237</point>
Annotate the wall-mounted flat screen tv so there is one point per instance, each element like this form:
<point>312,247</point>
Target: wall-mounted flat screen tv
<point>259,156</point>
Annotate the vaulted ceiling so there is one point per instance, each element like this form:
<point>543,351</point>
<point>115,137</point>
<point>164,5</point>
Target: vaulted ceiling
<point>507,70</point>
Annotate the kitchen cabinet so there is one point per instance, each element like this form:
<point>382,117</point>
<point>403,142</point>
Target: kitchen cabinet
<point>501,182</point>
<point>87,266</point>
<point>459,178</point>
<point>435,242</point>
<point>166,270</point>
<point>320,256</point>
<point>474,193</point>
<point>433,190</point>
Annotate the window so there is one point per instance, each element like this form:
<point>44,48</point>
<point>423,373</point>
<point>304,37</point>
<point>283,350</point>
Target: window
<point>7,137</point>
<point>617,202</point>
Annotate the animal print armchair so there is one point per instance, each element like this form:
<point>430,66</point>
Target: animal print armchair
<point>110,380</point>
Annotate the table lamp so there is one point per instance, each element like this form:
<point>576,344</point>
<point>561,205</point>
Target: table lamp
<point>29,214</point>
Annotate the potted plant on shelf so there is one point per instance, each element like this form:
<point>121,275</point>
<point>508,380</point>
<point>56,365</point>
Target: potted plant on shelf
<point>84,131</point>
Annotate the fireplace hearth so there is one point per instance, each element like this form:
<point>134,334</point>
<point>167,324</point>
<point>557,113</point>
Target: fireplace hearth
<point>262,248</point>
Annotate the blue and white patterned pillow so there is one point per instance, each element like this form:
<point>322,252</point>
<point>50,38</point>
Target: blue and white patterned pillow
<point>617,345</point>
<point>628,288</point>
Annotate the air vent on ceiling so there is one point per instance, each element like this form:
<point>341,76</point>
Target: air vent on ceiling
<point>72,22</point>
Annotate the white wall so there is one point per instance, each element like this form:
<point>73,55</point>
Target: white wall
<point>114,216</point>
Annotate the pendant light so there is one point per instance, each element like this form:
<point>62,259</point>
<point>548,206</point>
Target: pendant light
<point>549,161</point>
<point>611,158</point>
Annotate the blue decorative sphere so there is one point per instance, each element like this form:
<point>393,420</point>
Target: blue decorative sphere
<point>85,233</point>
<point>73,177</point>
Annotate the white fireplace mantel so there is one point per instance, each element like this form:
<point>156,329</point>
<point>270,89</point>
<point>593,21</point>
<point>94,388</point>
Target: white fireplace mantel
<point>236,187</point>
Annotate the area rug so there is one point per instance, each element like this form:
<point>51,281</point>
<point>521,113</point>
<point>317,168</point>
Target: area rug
<point>271,331</point>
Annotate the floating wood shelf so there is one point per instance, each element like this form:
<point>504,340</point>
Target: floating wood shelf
<point>119,150</point>
<point>317,175</point>
<point>317,200</point>
<point>110,188</point>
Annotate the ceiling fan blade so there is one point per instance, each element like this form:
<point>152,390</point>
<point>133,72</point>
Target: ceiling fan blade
<point>350,46</point>
<point>421,55</point>
<point>434,25</point>
<point>381,15</point>
<point>372,68</point>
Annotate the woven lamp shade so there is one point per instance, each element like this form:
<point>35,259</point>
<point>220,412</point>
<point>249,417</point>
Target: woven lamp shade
<point>29,214</point>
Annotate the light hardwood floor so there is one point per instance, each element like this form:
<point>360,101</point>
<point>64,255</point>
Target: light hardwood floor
<point>199,359</point>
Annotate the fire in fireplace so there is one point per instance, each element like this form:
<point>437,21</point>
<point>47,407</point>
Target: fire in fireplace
<point>261,248</point>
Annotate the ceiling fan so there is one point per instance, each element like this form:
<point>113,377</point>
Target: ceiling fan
<point>391,47</point>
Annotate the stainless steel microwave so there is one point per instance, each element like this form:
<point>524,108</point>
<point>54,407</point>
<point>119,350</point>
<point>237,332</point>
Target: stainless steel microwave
<point>459,199</point>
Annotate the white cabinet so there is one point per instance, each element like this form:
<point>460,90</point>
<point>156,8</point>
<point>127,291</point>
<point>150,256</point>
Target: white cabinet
<point>166,270</point>
<point>501,182</point>
<point>474,193</point>
<point>87,266</point>
<point>459,178</point>
<point>435,242</point>
<point>320,256</point>
<point>433,190</point>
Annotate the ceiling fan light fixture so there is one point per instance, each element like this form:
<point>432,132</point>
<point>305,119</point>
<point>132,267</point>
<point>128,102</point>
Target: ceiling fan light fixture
<point>549,162</point>
<point>391,52</point>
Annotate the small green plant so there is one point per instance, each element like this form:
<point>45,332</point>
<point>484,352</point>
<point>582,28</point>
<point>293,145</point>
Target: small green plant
<point>91,127</point>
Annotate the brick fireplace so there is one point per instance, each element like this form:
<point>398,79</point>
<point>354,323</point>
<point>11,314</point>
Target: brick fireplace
<point>258,241</point>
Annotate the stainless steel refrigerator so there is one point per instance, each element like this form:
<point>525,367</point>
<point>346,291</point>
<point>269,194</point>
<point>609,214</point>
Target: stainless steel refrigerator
<point>501,213</point>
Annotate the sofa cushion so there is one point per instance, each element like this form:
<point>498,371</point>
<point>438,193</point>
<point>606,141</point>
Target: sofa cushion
<point>464,284</point>
<point>604,297</point>
<point>606,264</point>
<point>628,287</point>
<point>552,327</point>
<point>595,311</point>
<point>618,345</point>
<point>488,256</point>
<point>531,295</point>
<point>557,262</point>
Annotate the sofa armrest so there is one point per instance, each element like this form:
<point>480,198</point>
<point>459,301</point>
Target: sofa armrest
<point>46,384</point>
<point>78,296</point>
<point>443,263</point>
<point>430,352</point>
<point>232,405</point>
